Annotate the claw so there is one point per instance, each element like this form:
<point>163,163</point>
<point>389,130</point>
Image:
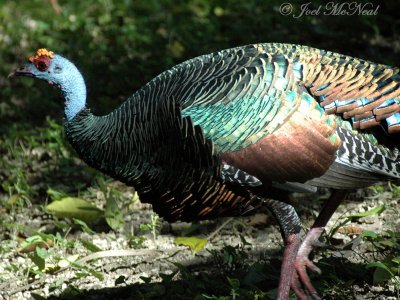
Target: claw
<point>297,288</point>
<point>303,276</point>
<point>313,267</point>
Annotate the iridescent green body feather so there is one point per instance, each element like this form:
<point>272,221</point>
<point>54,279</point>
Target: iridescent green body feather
<point>252,104</point>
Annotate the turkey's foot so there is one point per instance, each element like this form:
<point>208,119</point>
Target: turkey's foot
<point>301,283</point>
<point>290,226</point>
<point>288,270</point>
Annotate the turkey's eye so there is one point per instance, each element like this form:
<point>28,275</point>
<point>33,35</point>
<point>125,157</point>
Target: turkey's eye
<point>42,63</point>
<point>42,66</point>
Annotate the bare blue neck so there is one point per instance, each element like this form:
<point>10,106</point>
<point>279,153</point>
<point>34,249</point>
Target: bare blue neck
<point>75,96</point>
<point>74,90</point>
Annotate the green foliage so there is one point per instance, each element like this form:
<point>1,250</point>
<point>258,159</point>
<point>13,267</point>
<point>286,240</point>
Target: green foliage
<point>382,254</point>
<point>195,244</point>
<point>90,246</point>
<point>44,252</point>
<point>153,226</point>
<point>375,211</point>
<point>70,207</point>
<point>32,159</point>
<point>121,44</point>
<point>134,241</point>
<point>348,219</point>
<point>384,272</point>
<point>231,258</point>
<point>113,213</point>
<point>83,226</point>
<point>385,249</point>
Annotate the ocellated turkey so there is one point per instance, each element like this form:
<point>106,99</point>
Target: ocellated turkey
<point>213,135</point>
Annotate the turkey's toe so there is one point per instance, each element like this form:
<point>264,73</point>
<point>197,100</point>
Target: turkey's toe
<point>295,285</point>
<point>305,280</point>
<point>304,263</point>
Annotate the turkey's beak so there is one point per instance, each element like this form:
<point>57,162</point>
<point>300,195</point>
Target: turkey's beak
<point>24,70</point>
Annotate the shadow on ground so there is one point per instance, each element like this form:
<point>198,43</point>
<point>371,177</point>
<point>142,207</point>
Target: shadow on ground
<point>203,281</point>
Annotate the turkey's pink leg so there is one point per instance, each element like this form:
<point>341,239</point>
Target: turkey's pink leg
<point>300,278</point>
<point>290,227</point>
<point>292,244</point>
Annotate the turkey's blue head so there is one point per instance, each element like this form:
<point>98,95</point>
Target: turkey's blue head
<point>59,71</point>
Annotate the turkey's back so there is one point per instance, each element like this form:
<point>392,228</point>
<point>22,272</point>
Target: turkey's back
<point>287,113</point>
